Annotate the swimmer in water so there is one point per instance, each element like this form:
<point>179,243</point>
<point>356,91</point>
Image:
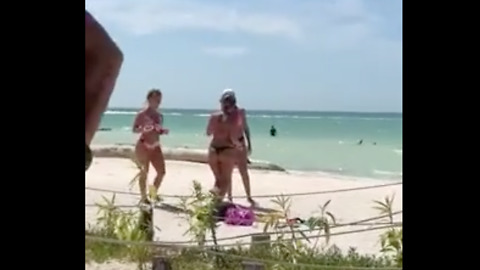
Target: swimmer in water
<point>360,142</point>
<point>226,128</point>
<point>103,60</point>
<point>273,131</point>
<point>148,123</point>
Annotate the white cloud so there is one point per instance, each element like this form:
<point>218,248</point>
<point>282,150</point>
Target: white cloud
<point>331,25</point>
<point>339,24</point>
<point>225,51</point>
<point>143,17</point>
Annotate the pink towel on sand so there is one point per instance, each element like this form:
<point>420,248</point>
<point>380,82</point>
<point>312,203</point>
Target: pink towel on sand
<point>239,216</point>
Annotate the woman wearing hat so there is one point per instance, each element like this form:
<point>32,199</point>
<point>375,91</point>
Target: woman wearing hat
<point>225,127</point>
<point>242,152</point>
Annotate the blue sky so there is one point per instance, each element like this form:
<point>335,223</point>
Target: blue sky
<point>322,55</point>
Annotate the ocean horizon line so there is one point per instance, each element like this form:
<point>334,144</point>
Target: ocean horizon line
<point>271,110</point>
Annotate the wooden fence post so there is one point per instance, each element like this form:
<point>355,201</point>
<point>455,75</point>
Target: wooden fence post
<point>249,265</point>
<point>146,221</point>
<point>260,240</point>
<point>161,263</point>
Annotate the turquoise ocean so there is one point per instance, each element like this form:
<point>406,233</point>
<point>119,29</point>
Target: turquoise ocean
<point>306,141</point>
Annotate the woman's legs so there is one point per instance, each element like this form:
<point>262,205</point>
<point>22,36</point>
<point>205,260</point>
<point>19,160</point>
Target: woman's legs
<point>214,164</point>
<point>143,161</point>
<point>242,165</point>
<point>227,162</point>
<point>229,194</point>
<point>158,162</point>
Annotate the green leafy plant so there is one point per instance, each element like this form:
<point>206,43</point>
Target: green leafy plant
<point>322,223</point>
<point>290,245</point>
<point>287,250</point>
<point>290,242</point>
<point>385,207</point>
<point>200,211</point>
<point>392,244</point>
<point>141,170</point>
<point>391,241</point>
<point>115,223</point>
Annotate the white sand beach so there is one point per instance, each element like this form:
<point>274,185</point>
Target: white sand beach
<point>116,173</point>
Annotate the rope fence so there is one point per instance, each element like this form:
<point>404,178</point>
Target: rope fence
<point>175,245</point>
<point>257,196</point>
<point>248,262</point>
<point>362,222</point>
<point>116,205</point>
<point>161,262</point>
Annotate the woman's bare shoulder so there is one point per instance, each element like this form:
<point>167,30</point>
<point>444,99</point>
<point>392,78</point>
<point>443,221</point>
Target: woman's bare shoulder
<point>242,110</point>
<point>142,112</point>
<point>216,114</point>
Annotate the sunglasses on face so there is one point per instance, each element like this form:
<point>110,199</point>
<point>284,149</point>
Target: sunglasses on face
<point>228,102</point>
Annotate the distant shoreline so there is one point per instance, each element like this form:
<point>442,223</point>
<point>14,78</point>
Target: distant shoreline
<point>300,135</point>
<point>179,154</point>
<point>269,110</point>
<point>200,156</point>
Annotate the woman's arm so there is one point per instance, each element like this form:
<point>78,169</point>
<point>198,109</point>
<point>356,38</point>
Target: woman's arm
<point>211,125</point>
<point>246,129</point>
<point>138,123</point>
<point>103,60</point>
<point>160,119</point>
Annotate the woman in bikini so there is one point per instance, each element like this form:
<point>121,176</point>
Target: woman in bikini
<point>243,153</point>
<point>225,127</point>
<point>103,60</point>
<point>148,123</point>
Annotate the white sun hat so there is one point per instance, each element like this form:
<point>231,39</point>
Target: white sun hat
<point>228,93</point>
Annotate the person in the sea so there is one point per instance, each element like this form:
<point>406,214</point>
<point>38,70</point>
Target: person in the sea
<point>149,124</point>
<point>244,151</point>
<point>103,60</point>
<point>273,131</point>
<point>226,128</point>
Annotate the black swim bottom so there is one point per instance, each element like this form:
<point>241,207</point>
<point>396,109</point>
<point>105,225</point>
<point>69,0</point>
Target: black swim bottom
<point>219,149</point>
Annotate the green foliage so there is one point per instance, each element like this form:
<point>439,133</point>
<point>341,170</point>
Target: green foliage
<point>191,259</point>
<point>392,240</point>
<point>136,178</point>
<point>290,244</point>
<point>115,223</point>
<point>322,223</point>
<point>385,207</point>
<point>392,244</point>
<point>200,209</point>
